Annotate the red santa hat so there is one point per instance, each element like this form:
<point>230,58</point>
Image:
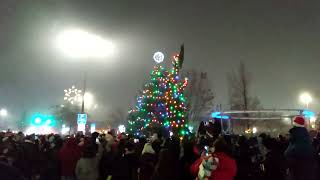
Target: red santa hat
<point>299,121</point>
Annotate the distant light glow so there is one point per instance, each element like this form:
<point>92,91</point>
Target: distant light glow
<point>254,130</point>
<point>308,114</point>
<point>37,120</point>
<point>65,129</point>
<point>88,100</point>
<point>287,120</point>
<point>158,57</point>
<point>46,130</point>
<point>305,98</point>
<point>218,115</point>
<point>39,130</point>
<point>81,127</point>
<point>3,112</point>
<point>78,43</point>
<point>122,129</point>
<point>93,128</point>
<point>30,130</point>
<point>48,121</point>
<point>313,119</point>
<point>190,128</point>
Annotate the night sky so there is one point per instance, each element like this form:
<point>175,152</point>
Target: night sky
<point>277,40</point>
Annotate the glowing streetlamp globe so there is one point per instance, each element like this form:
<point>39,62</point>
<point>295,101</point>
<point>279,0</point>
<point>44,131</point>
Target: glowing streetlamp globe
<point>37,120</point>
<point>306,98</point>
<point>78,43</point>
<point>3,112</point>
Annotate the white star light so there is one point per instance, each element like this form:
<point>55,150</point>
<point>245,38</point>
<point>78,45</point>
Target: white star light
<point>158,57</point>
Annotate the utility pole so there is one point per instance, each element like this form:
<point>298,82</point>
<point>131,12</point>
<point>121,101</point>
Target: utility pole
<point>84,91</point>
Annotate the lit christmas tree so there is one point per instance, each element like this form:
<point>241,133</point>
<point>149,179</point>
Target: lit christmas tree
<point>162,102</point>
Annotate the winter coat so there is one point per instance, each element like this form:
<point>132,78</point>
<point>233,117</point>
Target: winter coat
<point>147,164</point>
<point>28,159</point>
<point>275,167</point>
<point>69,155</point>
<point>226,168</point>
<point>51,165</point>
<point>9,173</point>
<point>88,168</point>
<point>125,168</point>
<point>299,143</point>
<point>167,167</point>
<point>300,155</point>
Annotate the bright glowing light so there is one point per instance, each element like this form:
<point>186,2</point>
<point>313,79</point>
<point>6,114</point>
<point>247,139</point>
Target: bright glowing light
<point>254,130</point>
<point>30,130</point>
<point>287,120</point>
<point>306,98</point>
<point>190,128</point>
<point>218,115</point>
<point>39,130</point>
<point>313,119</point>
<point>122,129</point>
<point>78,43</point>
<point>158,57</point>
<point>37,120</point>
<point>65,129</point>
<point>93,128</point>
<point>88,100</point>
<point>3,112</point>
<point>48,121</point>
<point>46,130</point>
<point>72,95</point>
<point>308,114</point>
<point>82,127</point>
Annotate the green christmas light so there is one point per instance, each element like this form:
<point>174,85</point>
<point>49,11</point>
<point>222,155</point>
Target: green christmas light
<point>162,100</point>
<point>182,132</point>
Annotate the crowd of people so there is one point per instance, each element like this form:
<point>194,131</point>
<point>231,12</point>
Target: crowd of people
<point>206,155</point>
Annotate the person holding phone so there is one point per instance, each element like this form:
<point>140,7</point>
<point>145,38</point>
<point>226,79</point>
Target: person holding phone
<point>215,163</point>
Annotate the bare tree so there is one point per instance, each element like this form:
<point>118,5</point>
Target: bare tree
<point>239,92</point>
<point>199,96</point>
<point>117,116</point>
<point>66,114</point>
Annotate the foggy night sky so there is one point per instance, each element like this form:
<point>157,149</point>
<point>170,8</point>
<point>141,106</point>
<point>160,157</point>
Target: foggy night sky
<point>278,41</point>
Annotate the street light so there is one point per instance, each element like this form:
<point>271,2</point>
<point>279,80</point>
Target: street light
<point>88,98</point>
<point>306,98</point>
<point>3,112</point>
<point>78,43</point>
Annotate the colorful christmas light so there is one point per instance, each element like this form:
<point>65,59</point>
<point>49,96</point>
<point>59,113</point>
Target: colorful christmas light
<point>161,102</point>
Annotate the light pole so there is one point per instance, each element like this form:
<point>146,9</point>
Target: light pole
<point>306,99</point>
